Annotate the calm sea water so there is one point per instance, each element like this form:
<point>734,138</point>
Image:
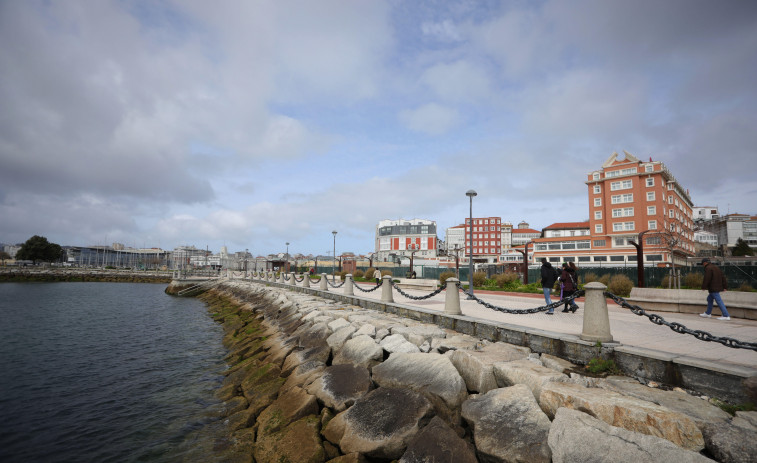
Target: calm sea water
<point>106,372</point>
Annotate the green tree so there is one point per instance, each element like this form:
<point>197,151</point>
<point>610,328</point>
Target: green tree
<point>742,249</point>
<point>37,248</point>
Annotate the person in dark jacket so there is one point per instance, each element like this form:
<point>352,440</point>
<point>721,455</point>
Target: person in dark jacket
<point>548,279</point>
<point>569,280</point>
<point>714,282</point>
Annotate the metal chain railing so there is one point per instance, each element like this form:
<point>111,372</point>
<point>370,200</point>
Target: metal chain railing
<point>315,280</point>
<point>355,285</point>
<point>334,285</point>
<point>299,280</point>
<point>679,328</point>
<point>544,308</point>
<point>285,277</point>
<point>418,298</point>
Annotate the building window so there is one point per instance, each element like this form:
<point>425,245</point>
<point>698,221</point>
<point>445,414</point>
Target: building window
<point>652,225</point>
<point>599,243</point>
<point>671,214</point>
<point>596,176</point>
<point>650,181</point>
<point>598,215</point>
<point>649,168</point>
<point>650,195</point>
<point>597,202</point>
<point>653,240</point>
<point>624,198</point>
<point>622,185</point>
<point>597,189</point>
<point>584,258</point>
<point>617,258</point>
<point>554,259</point>
<point>600,258</point>
<point>651,210</point>
<point>653,257</point>
<point>598,228</point>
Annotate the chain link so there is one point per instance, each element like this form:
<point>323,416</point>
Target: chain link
<point>367,290</point>
<point>679,328</point>
<point>544,308</point>
<point>299,280</point>
<point>419,298</point>
<point>334,285</point>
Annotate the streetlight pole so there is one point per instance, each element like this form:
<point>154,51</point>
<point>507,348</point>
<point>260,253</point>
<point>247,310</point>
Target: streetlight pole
<point>639,258</point>
<point>470,194</point>
<point>287,262</point>
<point>333,268</point>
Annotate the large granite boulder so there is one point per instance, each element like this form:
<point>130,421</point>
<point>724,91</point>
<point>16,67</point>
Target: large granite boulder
<point>339,386</point>
<point>340,336</point>
<point>433,375</point>
<point>508,426</point>
<point>700,410</point>
<point>315,335</point>
<point>303,375</point>
<point>526,372</point>
<point>298,442</point>
<point>578,437</point>
<point>624,412</point>
<point>260,375</point>
<point>287,408</point>
<point>380,424</point>
<point>397,343</point>
<point>299,356</point>
<point>338,324</point>
<point>418,334</point>
<point>360,350</point>
<point>733,441</point>
<point>366,329</point>
<point>438,443</point>
<point>477,366</point>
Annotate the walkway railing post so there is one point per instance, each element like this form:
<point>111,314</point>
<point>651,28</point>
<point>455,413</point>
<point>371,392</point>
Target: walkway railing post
<point>292,281</point>
<point>596,318</point>
<point>386,289</point>
<point>306,281</point>
<point>281,277</point>
<point>452,298</point>
<point>348,289</point>
<point>324,286</point>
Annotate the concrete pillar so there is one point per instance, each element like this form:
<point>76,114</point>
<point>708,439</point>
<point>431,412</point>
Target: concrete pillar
<point>306,281</point>
<point>386,289</point>
<point>596,318</point>
<point>348,289</point>
<point>292,281</point>
<point>281,278</point>
<point>452,298</point>
<point>324,286</point>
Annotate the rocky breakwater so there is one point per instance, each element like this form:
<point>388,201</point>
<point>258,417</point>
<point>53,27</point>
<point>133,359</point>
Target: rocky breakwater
<point>312,380</point>
<point>24,274</point>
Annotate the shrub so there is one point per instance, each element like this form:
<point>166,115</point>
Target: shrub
<point>745,287</point>
<point>443,277</point>
<point>605,279</point>
<point>599,366</point>
<point>693,280</point>
<point>665,283</point>
<point>358,274</point>
<point>590,277</point>
<point>369,274</point>
<point>479,279</point>
<point>343,274</point>
<point>507,280</point>
<point>620,285</point>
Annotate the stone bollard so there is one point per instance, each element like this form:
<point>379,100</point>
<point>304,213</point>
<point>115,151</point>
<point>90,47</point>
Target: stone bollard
<point>281,278</point>
<point>348,289</point>
<point>596,319</point>
<point>292,281</point>
<point>452,298</point>
<point>386,289</point>
<point>306,281</point>
<point>324,286</point>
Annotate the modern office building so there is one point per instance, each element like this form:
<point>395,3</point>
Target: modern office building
<point>397,238</point>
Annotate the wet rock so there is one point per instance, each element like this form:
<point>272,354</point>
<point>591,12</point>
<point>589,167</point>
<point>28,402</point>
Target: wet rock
<point>578,437</point>
<point>508,425</point>
<point>380,424</point>
<point>339,386</point>
<point>349,458</point>
<point>234,405</point>
<point>438,443</point>
<point>622,411</point>
<point>299,442</point>
<point>433,375</point>
<point>525,372</point>
<point>360,350</point>
<point>287,408</point>
<point>261,374</point>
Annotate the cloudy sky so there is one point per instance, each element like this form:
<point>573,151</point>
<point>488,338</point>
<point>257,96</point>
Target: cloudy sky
<point>254,123</point>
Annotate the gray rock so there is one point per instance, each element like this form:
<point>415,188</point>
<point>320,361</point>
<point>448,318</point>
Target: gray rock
<point>455,342</point>
<point>525,372</point>
<point>419,334</point>
<point>381,334</point>
<point>367,330</point>
<point>556,363</point>
<point>338,324</point>
<point>745,420</point>
<point>397,343</point>
<point>303,375</point>
<point>578,437</point>
<point>425,347</point>
<point>508,425</point>
<point>314,335</point>
<point>381,424</point>
<point>339,337</point>
<point>730,443</point>
<point>299,356</point>
<point>433,375</point>
<point>288,408</point>
<point>438,443</point>
<point>360,350</point>
<point>341,385</point>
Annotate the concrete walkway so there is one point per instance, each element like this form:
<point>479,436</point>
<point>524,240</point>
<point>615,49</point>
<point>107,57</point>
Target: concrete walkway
<point>626,327</point>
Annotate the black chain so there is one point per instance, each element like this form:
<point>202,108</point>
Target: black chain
<point>316,280</point>
<point>368,290</point>
<point>418,298</point>
<point>285,277</point>
<point>545,308</point>
<point>334,285</point>
<point>300,280</point>
<point>679,328</point>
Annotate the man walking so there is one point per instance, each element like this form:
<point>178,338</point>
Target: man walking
<point>714,282</point>
<point>548,278</point>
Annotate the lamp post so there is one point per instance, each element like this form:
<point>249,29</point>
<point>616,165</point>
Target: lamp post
<point>525,262</point>
<point>246,252</point>
<point>470,194</point>
<point>287,261</point>
<point>639,258</point>
<point>333,268</point>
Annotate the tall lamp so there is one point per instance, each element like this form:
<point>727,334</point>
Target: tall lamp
<point>470,194</point>
<point>333,268</point>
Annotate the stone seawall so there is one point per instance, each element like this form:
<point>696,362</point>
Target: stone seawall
<point>314,380</point>
<point>32,274</point>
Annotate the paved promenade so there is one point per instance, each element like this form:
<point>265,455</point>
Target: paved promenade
<point>626,327</point>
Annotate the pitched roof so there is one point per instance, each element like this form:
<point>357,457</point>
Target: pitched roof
<point>525,230</point>
<point>569,225</point>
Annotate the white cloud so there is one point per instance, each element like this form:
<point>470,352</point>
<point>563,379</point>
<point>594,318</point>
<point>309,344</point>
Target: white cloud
<point>431,119</point>
<point>460,81</point>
